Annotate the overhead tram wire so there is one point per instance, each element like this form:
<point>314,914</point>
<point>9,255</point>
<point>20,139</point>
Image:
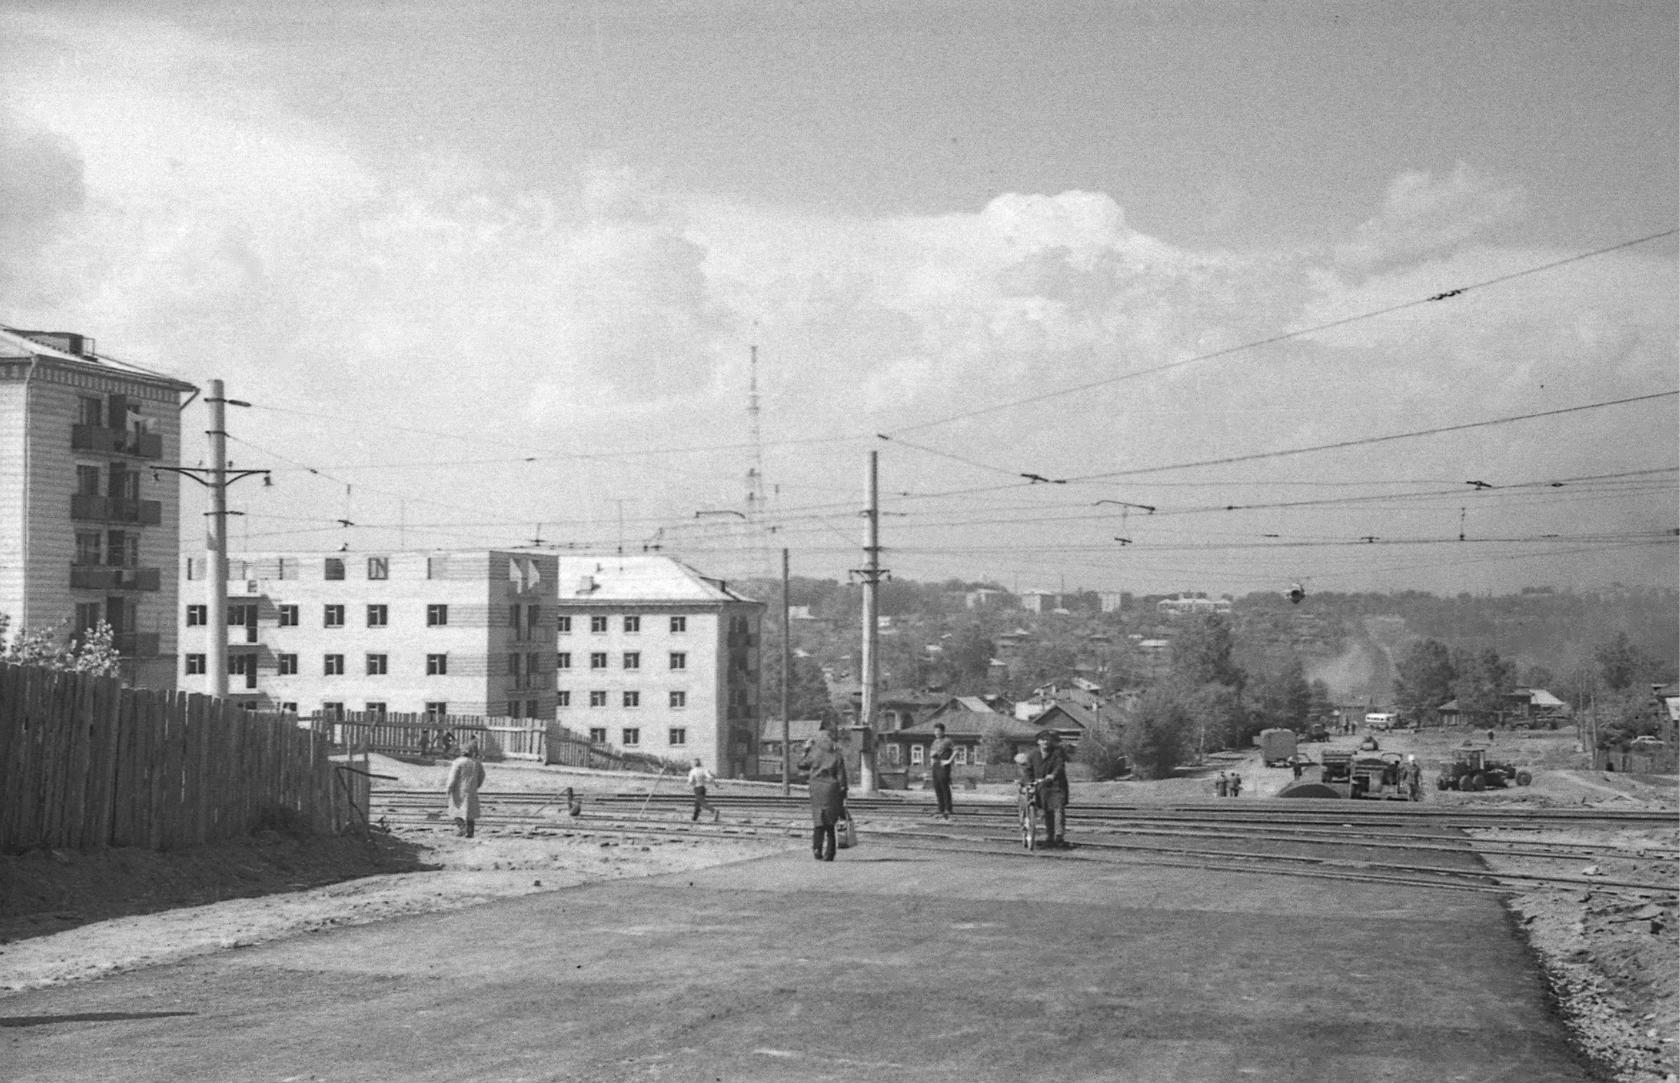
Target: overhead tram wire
<point>1285,336</point>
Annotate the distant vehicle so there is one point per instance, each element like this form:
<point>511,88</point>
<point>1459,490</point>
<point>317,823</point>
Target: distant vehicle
<point>1474,769</point>
<point>1318,732</point>
<point>1381,720</point>
<point>1349,775</point>
<point>1277,746</point>
<point>1647,741</point>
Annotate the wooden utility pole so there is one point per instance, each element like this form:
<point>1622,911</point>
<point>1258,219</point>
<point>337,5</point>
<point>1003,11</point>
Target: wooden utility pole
<point>871,573</point>
<point>787,665</point>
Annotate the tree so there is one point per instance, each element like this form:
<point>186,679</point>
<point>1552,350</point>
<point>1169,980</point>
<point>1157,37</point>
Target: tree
<point>1621,664</point>
<point>92,651</point>
<point>807,690</point>
<point>1481,681</point>
<point>1283,699</point>
<point>1424,677</point>
<point>1159,734</point>
<point>1202,652</point>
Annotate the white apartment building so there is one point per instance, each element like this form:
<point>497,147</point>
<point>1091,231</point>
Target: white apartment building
<point>465,633</point>
<point>89,524</point>
<point>657,658</point>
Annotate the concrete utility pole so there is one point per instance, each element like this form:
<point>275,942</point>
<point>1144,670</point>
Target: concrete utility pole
<point>871,573</point>
<point>217,477</point>
<point>787,679</point>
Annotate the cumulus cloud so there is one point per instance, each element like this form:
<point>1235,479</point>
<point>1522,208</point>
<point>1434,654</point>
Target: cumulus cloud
<point>1424,215</point>
<point>41,188</point>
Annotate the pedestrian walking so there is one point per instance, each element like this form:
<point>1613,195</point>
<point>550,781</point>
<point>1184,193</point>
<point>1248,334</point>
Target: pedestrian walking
<point>1047,766</point>
<point>1296,763</point>
<point>698,777</point>
<point>827,781</point>
<point>1236,784</point>
<point>466,775</point>
<point>941,756</point>
<point>1412,774</point>
<point>1221,785</point>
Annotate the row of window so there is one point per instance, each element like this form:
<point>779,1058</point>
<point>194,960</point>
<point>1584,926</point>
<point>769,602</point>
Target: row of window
<point>332,665</point>
<point>332,616</point>
<point>631,736</point>
<point>598,698</point>
<point>631,660</point>
<point>334,709</point>
<point>918,755</point>
<point>632,625</point>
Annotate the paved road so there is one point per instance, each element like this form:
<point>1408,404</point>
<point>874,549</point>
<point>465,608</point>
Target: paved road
<point>880,966</point>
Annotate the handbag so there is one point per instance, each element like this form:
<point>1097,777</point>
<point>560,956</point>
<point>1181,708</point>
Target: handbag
<point>846,835</point>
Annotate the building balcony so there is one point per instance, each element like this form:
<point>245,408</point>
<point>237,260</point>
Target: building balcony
<point>136,644</point>
<point>105,577</point>
<point>140,445</point>
<point>110,509</point>
<point>534,682</point>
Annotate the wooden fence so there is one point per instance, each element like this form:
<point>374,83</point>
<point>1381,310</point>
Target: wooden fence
<point>86,763</point>
<point>436,736</point>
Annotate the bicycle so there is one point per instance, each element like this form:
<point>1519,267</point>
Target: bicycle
<point>1026,797</point>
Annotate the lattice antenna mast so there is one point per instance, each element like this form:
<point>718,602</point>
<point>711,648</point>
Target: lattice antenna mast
<point>755,473</point>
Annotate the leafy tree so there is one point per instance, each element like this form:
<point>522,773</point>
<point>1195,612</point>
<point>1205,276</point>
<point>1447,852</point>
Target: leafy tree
<point>1481,681</point>
<point>93,651</point>
<point>1103,750</point>
<point>1425,677</point>
<point>994,746</point>
<point>1202,652</point>
<point>1160,734</point>
<point>807,690</point>
<point>1283,698</point>
<point>1323,704</point>
<point>1621,664</point>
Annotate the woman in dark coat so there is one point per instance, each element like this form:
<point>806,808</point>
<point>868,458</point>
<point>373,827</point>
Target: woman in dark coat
<point>827,769</point>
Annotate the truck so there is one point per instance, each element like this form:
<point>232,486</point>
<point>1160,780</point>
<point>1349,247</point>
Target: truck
<point>1277,746</point>
<point>1381,720</point>
<point>1352,775</point>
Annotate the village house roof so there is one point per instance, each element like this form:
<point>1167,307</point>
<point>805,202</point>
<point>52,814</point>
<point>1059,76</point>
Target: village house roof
<point>968,724</point>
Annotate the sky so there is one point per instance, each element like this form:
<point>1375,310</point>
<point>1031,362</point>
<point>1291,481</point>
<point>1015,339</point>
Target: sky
<point>1154,296</point>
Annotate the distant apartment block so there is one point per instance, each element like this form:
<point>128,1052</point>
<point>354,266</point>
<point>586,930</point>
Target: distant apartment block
<point>464,633</point>
<point>1174,607</point>
<point>88,532</point>
<point>657,658</point>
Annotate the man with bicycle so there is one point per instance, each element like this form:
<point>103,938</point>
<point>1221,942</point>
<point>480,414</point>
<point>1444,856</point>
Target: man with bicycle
<point>1046,768</point>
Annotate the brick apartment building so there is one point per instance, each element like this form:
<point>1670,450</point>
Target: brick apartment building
<point>88,531</point>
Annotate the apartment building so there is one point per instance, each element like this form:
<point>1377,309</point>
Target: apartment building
<point>469,633</point>
<point>652,656</point>
<point>89,531</point>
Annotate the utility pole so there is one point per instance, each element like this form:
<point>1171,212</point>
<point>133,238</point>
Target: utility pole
<point>217,477</point>
<point>871,573</point>
<point>787,679</point>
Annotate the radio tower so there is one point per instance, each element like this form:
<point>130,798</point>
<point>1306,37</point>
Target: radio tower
<point>755,473</point>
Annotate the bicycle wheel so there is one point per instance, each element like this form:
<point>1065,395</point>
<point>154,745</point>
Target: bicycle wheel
<point>1029,824</point>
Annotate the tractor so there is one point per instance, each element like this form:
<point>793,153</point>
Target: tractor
<point>1474,768</point>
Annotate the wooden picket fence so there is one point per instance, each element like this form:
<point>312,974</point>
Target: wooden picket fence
<point>86,763</point>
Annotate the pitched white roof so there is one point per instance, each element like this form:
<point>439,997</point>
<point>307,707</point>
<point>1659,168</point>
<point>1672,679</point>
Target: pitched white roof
<point>644,578</point>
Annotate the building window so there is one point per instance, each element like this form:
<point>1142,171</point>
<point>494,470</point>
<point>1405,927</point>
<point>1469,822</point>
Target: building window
<point>597,624</point>
<point>198,616</point>
<point>89,546</point>
<point>437,615</point>
<point>87,480</point>
<point>376,664</point>
<point>564,624</point>
<point>334,568</point>
<point>333,709</point>
<point>195,664</point>
<point>563,698</point>
<point>377,710</point>
<point>679,736</point>
<point>288,708</point>
<point>597,735</point>
<point>437,708</point>
<point>679,659</point>
<point>90,410</point>
<point>288,665</point>
<point>531,707</point>
<point>917,752</point>
<point>597,699</point>
<point>437,665</point>
<point>88,616</point>
<point>332,616</point>
<point>288,616</point>
<point>962,755</point>
<point>632,624</point>
<point>679,624</point>
<point>379,567</point>
<point>632,699</point>
<point>437,567</point>
<point>513,669</point>
<point>632,659</point>
<point>632,736</point>
<point>563,660</point>
<point>378,616</point>
<point>332,665</point>
<point>679,699</point>
<point>598,660</point>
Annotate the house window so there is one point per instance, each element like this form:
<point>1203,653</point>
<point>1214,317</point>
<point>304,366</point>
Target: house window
<point>289,707</point>
<point>378,616</point>
<point>334,568</point>
<point>564,624</point>
<point>531,707</point>
<point>513,669</point>
<point>632,699</point>
<point>597,699</point>
<point>632,736</point>
<point>376,664</point>
<point>377,710</point>
<point>563,698</point>
<point>632,659</point>
<point>332,665</point>
<point>597,624</point>
<point>288,616</point>
<point>88,616</point>
<point>332,616</point>
<point>918,755</point>
<point>563,660</point>
<point>198,616</point>
<point>679,699</point>
<point>288,665</point>
<point>678,736</point>
<point>437,665</point>
<point>679,624</point>
<point>632,624</point>
<point>437,708</point>
<point>89,546</point>
<point>195,664</point>
<point>679,659</point>
<point>90,411</point>
<point>379,567</point>
<point>437,615</point>
<point>598,660</point>
<point>333,709</point>
<point>597,735</point>
<point>87,480</point>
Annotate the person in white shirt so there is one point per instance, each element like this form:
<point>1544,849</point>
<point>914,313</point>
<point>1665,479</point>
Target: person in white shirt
<point>698,776</point>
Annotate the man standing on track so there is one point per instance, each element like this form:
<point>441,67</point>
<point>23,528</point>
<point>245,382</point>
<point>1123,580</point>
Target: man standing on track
<point>1047,765</point>
<point>941,756</point>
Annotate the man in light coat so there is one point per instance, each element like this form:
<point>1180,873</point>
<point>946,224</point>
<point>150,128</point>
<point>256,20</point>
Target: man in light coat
<point>466,775</point>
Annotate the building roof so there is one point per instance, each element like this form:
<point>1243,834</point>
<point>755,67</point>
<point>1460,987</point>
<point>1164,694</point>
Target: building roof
<point>1538,697</point>
<point>638,578</point>
<point>969,724</point>
<point>18,345</point>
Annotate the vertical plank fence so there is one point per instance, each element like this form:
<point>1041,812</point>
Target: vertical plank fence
<point>86,763</point>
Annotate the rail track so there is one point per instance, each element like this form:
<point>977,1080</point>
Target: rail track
<point>1393,844</point>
